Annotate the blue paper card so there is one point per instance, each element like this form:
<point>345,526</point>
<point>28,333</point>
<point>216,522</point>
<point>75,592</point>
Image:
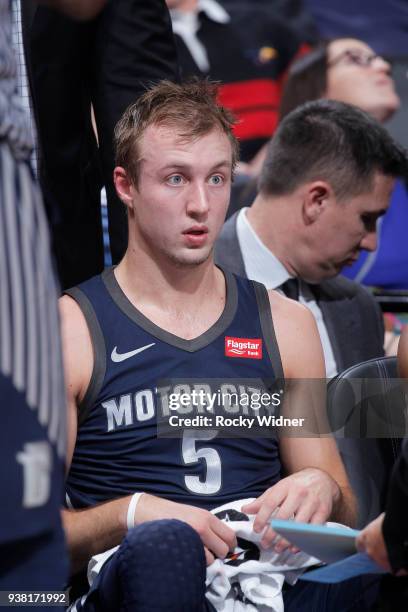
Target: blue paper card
<point>356,565</point>
<point>329,543</point>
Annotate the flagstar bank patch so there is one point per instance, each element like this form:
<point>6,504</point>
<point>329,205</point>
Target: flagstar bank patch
<point>248,348</point>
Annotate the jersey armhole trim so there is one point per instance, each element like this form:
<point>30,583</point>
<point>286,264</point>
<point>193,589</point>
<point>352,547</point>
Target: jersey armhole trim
<point>268,331</point>
<point>99,353</point>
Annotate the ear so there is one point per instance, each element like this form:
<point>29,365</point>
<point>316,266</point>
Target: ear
<point>317,196</point>
<point>124,186</point>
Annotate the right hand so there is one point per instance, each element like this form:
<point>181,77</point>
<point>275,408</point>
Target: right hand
<point>217,537</point>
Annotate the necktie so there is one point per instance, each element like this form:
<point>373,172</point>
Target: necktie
<point>291,288</point>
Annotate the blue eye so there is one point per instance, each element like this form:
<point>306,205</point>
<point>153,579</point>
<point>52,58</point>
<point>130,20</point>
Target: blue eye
<point>216,179</point>
<point>176,179</point>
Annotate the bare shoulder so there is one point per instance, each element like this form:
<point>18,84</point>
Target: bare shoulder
<point>77,348</point>
<point>298,338</point>
<point>288,312</point>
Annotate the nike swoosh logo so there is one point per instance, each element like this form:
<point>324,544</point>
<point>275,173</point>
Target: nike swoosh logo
<point>118,357</point>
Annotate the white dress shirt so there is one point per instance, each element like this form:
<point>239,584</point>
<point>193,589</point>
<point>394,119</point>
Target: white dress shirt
<point>186,25</point>
<point>262,265</point>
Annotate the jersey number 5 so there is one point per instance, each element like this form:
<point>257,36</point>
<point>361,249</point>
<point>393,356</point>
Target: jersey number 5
<point>212,482</point>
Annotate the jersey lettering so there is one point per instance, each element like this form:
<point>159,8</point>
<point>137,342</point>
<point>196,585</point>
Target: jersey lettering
<point>120,412</point>
<point>36,459</point>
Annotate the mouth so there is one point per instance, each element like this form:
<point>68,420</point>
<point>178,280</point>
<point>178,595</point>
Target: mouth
<point>385,80</point>
<point>196,236</point>
<point>350,261</point>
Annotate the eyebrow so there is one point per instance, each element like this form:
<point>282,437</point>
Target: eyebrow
<point>181,166</point>
<point>338,56</point>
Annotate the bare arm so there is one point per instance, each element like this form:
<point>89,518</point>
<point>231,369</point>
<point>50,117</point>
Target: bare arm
<point>317,486</point>
<point>93,530</point>
<point>96,529</point>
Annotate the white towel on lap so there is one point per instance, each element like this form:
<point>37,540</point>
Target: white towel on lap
<point>251,578</point>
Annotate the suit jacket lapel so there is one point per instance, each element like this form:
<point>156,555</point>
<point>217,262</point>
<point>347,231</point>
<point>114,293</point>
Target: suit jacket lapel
<point>343,324</point>
<point>227,252</point>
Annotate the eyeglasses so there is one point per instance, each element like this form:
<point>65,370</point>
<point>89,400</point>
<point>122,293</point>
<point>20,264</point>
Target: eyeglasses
<point>356,57</point>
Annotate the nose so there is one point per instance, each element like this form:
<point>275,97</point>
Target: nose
<point>381,64</point>
<point>369,242</point>
<point>197,205</point>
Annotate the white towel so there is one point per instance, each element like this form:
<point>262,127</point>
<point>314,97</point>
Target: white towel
<point>251,578</point>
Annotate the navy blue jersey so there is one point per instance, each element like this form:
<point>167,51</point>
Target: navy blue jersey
<point>32,396</point>
<point>118,451</point>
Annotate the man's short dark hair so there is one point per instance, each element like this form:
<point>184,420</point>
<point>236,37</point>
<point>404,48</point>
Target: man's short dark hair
<point>331,141</point>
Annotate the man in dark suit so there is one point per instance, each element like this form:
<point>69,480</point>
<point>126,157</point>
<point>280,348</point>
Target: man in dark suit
<point>326,180</point>
<point>386,538</point>
<point>106,63</point>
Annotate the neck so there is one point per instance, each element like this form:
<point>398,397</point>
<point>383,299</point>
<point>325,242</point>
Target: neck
<point>169,286</point>
<point>273,220</point>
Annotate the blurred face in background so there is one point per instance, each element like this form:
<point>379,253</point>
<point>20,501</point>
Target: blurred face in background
<point>182,5</point>
<point>358,76</point>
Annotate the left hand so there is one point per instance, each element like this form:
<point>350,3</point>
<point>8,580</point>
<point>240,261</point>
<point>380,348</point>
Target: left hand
<point>371,541</point>
<point>307,495</point>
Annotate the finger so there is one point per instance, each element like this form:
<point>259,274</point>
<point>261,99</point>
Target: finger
<point>252,507</point>
<point>218,537</point>
<point>285,511</point>
<point>269,505</point>
<point>282,545</point>
<point>285,556</point>
<point>360,543</point>
<point>271,539</point>
<point>290,507</point>
<point>215,544</point>
<point>209,557</point>
<point>319,517</point>
<point>306,511</point>
<point>224,532</point>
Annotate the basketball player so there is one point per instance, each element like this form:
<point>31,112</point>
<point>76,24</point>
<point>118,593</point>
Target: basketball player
<point>166,311</point>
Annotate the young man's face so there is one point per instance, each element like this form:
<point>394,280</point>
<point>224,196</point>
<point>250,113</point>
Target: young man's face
<point>346,228</point>
<point>183,193</point>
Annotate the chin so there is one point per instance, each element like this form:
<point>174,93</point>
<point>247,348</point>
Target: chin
<point>190,260</point>
<point>387,110</point>
<point>324,273</point>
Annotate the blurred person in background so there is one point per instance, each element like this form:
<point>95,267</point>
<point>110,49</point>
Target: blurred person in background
<point>32,397</point>
<point>105,63</point>
<point>383,26</point>
<point>348,70</point>
<point>248,48</point>
<point>293,12</point>
<point>327,178</point>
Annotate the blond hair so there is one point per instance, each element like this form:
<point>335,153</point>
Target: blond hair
<point>190,108</point>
